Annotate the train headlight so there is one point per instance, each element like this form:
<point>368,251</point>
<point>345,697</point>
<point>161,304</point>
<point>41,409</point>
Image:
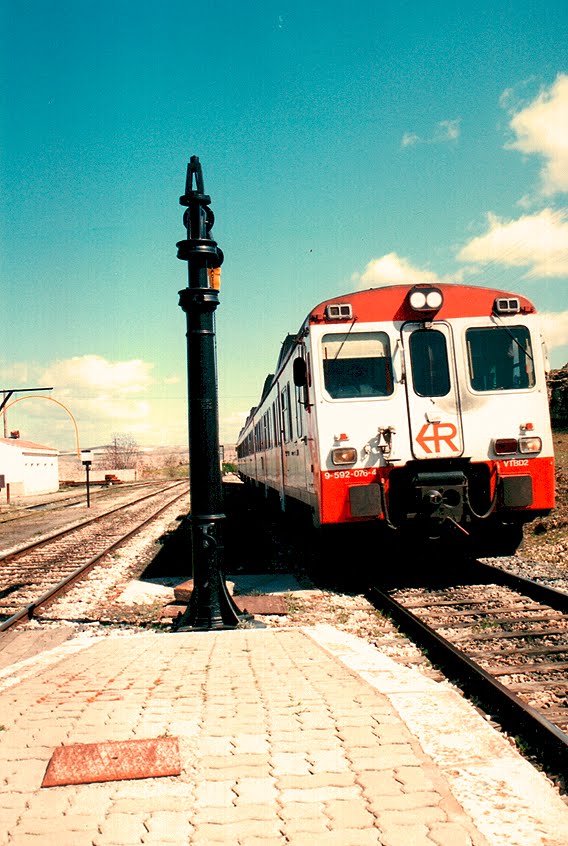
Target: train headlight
<point>418,299</point>
<point>530,445</point>
<point>434,299</point>
<point>425,299</point>
<point>344,455</point>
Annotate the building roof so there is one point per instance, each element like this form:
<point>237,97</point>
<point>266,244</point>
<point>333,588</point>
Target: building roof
<point>28,446</point>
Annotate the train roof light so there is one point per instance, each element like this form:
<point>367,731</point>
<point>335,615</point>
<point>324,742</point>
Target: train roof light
<point>507,305</point>
<point>426,299</point>
<point>339,311</point>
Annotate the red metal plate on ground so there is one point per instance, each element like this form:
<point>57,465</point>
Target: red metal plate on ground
<point>255,604</point>
<point>85,763</point>
<point>265,603</point>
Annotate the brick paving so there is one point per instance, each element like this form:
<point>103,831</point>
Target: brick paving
<point>286,736</point>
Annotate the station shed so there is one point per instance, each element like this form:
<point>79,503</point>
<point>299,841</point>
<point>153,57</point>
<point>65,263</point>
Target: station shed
<point>27,468</point>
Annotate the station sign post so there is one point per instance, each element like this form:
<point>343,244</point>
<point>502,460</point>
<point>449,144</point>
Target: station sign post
<point>86,461</point>
<point>210,606</point>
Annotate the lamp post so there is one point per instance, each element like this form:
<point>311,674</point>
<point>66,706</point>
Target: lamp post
<point>210,606</point>
<point>87,460</point>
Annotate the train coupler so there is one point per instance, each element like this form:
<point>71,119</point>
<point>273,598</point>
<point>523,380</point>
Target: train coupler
<point>440,496</point>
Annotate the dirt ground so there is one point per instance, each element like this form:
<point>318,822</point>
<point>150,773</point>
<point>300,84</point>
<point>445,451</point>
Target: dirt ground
<point>547,539</point>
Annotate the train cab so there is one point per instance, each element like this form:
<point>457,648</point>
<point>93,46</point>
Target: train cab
<point>412,404</point>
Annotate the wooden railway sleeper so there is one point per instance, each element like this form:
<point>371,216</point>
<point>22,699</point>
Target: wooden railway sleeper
<point>505,634</point>
<point>528,650</point>
<point>527,669</point>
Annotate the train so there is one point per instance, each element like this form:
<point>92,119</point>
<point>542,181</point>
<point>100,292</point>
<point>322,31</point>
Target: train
<point>419,409</point>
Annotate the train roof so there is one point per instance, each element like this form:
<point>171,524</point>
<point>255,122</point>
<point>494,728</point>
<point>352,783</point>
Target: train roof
<point>392,303</point>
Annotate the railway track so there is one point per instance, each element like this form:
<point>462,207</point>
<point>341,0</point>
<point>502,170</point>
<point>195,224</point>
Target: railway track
<point>98,494</point>
<point>35,574</point>
<point>504,639</point>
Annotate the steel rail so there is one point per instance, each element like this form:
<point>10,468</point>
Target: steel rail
<point>545,739</point>
<point>27,612</point>
<point>7,556</point>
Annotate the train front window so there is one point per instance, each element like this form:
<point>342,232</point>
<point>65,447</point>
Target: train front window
<point>429,359</point>
<point>500,358</point>
<point>357,365</point>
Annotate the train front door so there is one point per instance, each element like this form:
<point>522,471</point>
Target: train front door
<point>432,391</point>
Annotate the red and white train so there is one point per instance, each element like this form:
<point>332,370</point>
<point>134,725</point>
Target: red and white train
<point>421,408</point>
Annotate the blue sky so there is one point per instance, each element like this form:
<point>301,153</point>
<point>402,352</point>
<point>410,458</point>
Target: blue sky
<point>343,146</point>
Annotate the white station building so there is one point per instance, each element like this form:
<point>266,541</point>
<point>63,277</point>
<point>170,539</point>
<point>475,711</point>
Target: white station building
<point>27,469</point>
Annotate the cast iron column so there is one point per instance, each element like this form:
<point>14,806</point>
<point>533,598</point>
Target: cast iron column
<point>211,606</point>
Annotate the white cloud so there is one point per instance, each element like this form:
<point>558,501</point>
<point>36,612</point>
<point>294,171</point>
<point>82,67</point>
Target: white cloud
<point>541,128</point>
<point>392,269</point>
<point>555,328</point>
<point>93,373</point>
<point>446,130</point>
<point>537,241</point>
<point>410,138</point>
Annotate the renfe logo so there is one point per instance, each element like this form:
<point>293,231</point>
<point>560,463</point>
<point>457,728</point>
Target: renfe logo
<point>441,433</point>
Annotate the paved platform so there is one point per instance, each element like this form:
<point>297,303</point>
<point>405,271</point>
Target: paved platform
<point>285,736</point>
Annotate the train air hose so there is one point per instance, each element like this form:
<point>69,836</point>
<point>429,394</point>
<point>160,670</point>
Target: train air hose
<point>492,504</point>
<point>384,506</point>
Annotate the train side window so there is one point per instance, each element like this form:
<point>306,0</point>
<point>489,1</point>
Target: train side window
<point>275,422</point>
<point>301,395</point>
<point>500,358</point>
<point>286,414</point>
<point>299,407</point>
<point>357,364</point>
<point>265,431</point>
<point>283,414</point>
<point>429,362</point>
